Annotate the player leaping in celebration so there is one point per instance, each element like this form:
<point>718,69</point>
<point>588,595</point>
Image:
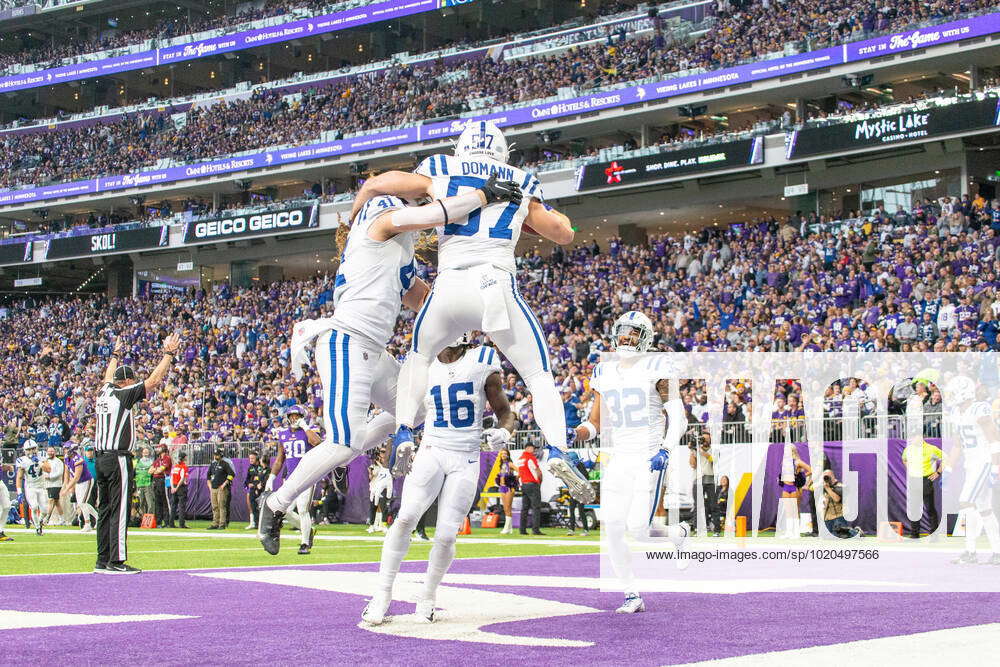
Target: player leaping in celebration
<point>30,483</point>
<point>476,287</point>
<point>375,278</point>
<point>632,482</point>
<point>980,447</point>
<point>462,380</point>
<point>293,442</point>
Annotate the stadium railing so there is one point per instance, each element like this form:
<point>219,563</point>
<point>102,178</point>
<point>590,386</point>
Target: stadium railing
<point>828,429</point>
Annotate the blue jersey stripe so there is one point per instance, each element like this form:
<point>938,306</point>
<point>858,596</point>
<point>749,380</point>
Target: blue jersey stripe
<point>444,165</point>
<point>531,322</point>
<point>331,402</point>
<point>420,318</point>
<point>433,166</point>
<point>346,390</point>
<point>492,354</point>
<point>524,185</point>
<point>482,352</point>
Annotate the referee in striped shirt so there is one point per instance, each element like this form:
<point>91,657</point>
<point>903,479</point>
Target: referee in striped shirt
<point>114,438</point>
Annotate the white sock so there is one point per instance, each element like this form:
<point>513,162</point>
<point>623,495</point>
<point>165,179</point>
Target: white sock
<point>317,462</point>
<point>438,562</point>
<point>394,548</point>
<point>548,408</point>
<point>411,387</point>
<point>621,558</point>
<point>992,531</point>
<point>380,427</point>
<point>89,513</point>
<point>973,526</point>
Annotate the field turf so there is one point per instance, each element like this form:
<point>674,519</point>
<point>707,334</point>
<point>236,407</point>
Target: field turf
<point>62,549</point>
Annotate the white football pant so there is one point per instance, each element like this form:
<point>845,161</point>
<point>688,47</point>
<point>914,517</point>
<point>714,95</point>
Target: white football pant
<point>628,489</point>
<point>355,374</point>
<point>457,304</point>
<point>451,475</point>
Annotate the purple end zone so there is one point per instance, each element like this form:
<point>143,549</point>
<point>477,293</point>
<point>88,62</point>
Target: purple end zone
<point>256,623</point>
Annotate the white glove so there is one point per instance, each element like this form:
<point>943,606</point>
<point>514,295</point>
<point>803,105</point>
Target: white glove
<point>496,438</point>
<point>269,484</point>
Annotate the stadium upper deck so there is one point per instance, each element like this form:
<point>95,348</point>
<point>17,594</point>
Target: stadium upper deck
<point>266,120</point>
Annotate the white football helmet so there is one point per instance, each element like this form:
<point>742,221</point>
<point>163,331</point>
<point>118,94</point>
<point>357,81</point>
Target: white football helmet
<point>624,325</point>
<point>29,445</point>
<point>961,390</point>
<point>482,138</point>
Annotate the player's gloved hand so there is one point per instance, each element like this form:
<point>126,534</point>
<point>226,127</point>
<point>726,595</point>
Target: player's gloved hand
<point>554,452</point>
<point>659,461</point>
<point>269,484</point>
<point>497,437</point>
<point>570,435</point>
<point>494,191</point>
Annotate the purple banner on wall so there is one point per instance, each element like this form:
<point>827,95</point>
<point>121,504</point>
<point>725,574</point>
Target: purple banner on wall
<point>539,112</point>
<point>922,37</point>
<point>383,11</point>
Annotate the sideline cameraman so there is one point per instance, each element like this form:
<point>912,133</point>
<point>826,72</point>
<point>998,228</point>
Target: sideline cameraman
<point>701,452</point>
<point>833,512</point>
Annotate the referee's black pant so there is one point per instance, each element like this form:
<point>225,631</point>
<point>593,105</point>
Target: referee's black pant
<point>114,488</point>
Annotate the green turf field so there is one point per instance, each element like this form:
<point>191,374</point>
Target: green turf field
<point>68,550</point>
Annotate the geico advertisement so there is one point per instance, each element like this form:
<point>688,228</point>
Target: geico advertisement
<point>251,224</point>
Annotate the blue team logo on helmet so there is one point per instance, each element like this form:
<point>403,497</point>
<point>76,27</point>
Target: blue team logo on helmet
<point>482,138</point>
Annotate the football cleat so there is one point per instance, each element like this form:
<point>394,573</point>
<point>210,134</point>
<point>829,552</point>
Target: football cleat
<point>269,526</point>
<point>633,605</point>
<point>422,536</point>
<point>6,538</point>
<point>579,487</point>
<point>303,549</point>
<point>38,529</point>
<point>376,610</point>
<point>401,456</point>
<point>370,529</point>
<point>425,611</point>
<point>100,568</point>
<point>967,558</point>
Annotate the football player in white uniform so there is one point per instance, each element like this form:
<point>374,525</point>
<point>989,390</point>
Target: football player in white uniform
<point>380,491</point>
<point>632,481</point>
<point>476,287</point>
<point>4,502</point>
<point>980,447</point>
<point>462,380</point>
<point>31,482</point>
<point>375,278</point>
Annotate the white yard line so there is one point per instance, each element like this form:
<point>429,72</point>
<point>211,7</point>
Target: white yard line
<point>971,645</point>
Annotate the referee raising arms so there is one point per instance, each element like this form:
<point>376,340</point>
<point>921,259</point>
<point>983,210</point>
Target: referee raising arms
<point>115,435</point>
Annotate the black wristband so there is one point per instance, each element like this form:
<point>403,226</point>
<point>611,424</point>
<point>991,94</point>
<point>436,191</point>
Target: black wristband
<point>444,210</point>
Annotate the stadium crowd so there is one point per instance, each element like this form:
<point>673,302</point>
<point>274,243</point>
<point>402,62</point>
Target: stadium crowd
<point>919,279</point>
<point>410,93</point>
<point>53,54</point>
